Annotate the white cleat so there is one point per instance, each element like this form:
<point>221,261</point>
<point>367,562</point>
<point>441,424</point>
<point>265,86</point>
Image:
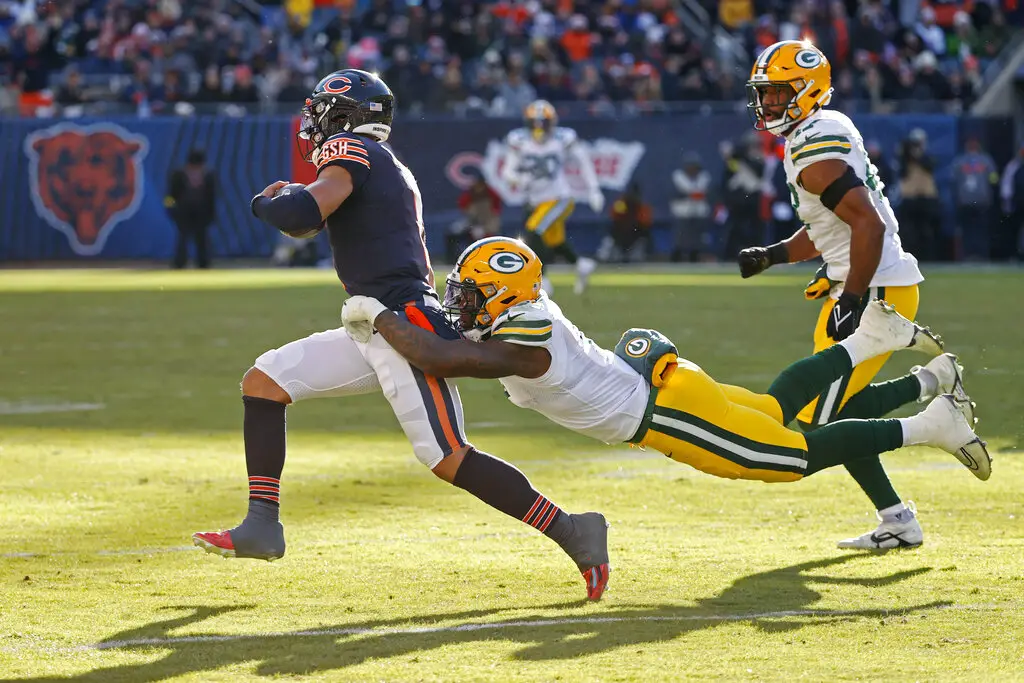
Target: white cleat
<point>887,330</point>
<point>949,376</point>
<point>949,422</point>
<point>902,530</point>
<point>584,267</point>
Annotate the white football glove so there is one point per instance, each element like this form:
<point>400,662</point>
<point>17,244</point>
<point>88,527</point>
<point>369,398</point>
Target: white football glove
<point>596,201</point>
<point>358,314</point>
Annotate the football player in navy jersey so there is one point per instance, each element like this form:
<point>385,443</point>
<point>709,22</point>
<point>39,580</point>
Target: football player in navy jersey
<point>371,207</point>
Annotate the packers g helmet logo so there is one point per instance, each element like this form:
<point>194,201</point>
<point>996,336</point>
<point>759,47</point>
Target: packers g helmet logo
<point>808,59</point>
<point>506,262</point>
<point>638,347</point>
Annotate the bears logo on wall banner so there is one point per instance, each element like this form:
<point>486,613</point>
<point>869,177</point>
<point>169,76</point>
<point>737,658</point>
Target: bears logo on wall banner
<point>85,180</point>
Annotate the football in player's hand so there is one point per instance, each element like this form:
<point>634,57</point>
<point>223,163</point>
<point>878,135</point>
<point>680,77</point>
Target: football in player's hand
<point>295,187</point>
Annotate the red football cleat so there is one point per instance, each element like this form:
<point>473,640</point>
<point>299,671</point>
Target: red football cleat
<point>217,542</point>
<point>597,581</point>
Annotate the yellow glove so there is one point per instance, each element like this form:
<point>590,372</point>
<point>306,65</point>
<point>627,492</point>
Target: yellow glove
<point>819,286</point>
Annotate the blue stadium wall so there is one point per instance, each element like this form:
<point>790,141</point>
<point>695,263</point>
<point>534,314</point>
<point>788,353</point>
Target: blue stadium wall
<point>57,203</point>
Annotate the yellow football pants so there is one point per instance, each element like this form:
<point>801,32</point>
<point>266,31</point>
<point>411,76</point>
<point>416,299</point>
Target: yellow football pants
<point>723,430</point>
<point>548,221</point>
<point>824,409</point>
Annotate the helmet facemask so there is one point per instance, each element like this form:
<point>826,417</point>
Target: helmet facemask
<point>779,101</point>
<point>465,304</point>
<point>320,119</point>
<point>773,104</point>
<point>540,127</point>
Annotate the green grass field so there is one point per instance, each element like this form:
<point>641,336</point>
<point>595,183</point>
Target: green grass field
<point>120,435</point>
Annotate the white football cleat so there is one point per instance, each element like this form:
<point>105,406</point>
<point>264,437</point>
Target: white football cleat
<point>584,267</point>
<point>900,531</point>
<point>886,330</point>
<point>949,374</point>
<point>948,422</point>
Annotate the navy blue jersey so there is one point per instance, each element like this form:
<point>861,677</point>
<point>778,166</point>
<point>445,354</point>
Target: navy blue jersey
<point>377,233</point>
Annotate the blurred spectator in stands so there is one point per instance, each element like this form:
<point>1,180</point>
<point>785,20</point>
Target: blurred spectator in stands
<point>741,194</point>
<point>481,216</point>
<point>929,76</point>
<point>961,90</point>
<point>735,13</point>
<point>451,94</point>
<point>70,92</point>
<point>514,94</point>
<point>1007,244</point>
<point>784,218</point>
<point>629,237</point>
<point>191,204</point>
<point>964,40</point>
<point>974,181</point>
<point>883,168</point>
<point>994,36</point>
<point>577,40</point>
<point>691,209</point>
<point>33,58</point>
<point>401,77</point>
<point>172,90</point>
<point>930,33</point>
<point>211,90</point>
<point>243,91</point>
<point>589,87</point>
<point>920,214</point>
<point>868,34</point>
<point>295,89</point>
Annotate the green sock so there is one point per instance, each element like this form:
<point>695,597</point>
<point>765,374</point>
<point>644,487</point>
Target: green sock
<point>873,401</point>
<point>797,385</point>
<point>876,400</point>
<point>872,479</point>
<point>840,442</point>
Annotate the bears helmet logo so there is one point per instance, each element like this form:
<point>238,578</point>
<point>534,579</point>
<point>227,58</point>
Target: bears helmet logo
<point>85,180</point>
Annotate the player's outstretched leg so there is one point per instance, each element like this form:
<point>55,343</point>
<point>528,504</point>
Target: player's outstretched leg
<point>882,330</point>
<point>260,535</point>
<point>946,423</point>
<point>584,537</point>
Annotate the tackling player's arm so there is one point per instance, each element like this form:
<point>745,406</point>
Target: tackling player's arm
<point>460,358</point>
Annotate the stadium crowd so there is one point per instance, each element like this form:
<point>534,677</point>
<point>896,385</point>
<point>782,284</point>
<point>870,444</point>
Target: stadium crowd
<point>483,56</point>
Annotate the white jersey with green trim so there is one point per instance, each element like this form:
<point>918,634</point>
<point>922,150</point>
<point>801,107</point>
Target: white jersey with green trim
<point>538,166</point>
<point>831,135</point>
<point>587,389</point>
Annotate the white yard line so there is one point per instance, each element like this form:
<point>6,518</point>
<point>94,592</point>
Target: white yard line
<point>39,408</point>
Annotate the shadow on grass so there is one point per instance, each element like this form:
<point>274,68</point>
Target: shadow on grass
<point>774,601</point>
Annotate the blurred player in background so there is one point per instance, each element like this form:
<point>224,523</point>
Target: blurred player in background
<point>847,221</point>
<point>372,208</point>
<point>538,154</point>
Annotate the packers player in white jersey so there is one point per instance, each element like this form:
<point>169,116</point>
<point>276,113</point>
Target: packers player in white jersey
<point>645,394</point>
<point>537,156</point>
<point>847,220</point>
